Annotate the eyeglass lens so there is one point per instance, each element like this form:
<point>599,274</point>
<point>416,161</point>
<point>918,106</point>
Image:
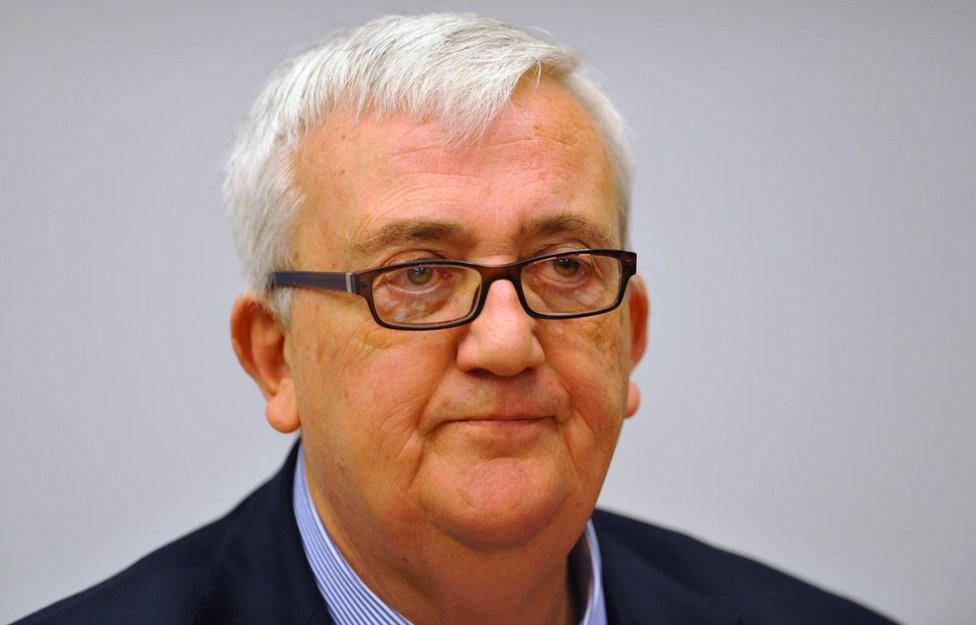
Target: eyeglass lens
<point>425,294</point>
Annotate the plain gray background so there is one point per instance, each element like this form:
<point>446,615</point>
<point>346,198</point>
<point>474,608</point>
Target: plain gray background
<point>805,215</point>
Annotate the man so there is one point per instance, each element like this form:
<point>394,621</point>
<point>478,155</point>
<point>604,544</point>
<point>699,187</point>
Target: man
<point>432,212</point>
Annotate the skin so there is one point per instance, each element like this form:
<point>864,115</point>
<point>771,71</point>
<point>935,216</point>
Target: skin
<point>456,468</point>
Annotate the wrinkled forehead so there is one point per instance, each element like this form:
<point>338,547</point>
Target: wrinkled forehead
<point>541,154</point>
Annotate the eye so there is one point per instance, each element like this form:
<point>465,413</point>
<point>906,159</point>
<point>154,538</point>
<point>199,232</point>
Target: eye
<point>420,275</point>
<point>566,267</point>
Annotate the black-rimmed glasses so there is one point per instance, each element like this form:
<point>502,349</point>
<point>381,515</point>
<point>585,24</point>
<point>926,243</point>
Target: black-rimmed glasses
<point>438,293</point>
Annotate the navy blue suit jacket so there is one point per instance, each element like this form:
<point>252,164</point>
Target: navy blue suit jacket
<point>249,568</point>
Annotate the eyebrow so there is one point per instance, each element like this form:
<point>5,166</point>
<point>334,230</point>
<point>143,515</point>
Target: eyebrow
<point>409,231</point>
<point>564,223</point>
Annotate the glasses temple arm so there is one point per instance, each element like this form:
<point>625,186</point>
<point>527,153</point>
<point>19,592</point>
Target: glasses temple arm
<point>331,281</point>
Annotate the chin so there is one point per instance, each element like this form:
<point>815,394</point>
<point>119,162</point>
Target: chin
<point>499,504</point>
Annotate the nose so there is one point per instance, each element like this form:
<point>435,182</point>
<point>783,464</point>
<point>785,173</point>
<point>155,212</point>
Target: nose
<point>502,339</point>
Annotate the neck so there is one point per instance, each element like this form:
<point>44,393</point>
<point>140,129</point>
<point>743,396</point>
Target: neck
<point>431,579</point>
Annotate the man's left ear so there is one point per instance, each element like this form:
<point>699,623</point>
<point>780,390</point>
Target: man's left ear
<point>639,311</point>
<point>259,342</point>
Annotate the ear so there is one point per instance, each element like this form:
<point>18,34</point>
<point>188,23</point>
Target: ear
<point>639,311</point>
<point>259,342</point>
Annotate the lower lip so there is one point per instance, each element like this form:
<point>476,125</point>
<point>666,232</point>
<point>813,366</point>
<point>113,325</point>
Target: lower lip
<point>502,436</point>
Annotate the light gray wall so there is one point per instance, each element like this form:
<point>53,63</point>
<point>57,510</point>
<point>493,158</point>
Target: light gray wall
<point>805,217</point>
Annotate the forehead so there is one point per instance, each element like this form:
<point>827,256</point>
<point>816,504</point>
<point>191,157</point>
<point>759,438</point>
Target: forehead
<point>541,162</point>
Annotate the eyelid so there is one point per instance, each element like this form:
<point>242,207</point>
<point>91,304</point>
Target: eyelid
<point>563,246</point>
<point>409,257</point>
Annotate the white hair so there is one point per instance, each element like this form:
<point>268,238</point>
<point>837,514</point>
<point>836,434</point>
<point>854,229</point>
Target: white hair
<point>459,69</point>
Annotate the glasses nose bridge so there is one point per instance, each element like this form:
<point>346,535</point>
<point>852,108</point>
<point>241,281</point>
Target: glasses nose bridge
<point>511,272</point>
<point>490,275</point>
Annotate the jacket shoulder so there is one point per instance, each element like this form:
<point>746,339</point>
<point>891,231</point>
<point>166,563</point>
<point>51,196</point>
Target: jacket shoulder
<point>164,587</point>
<point>759,593</point>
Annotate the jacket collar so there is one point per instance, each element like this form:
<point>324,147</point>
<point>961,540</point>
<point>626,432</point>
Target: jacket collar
<point>638,593</point>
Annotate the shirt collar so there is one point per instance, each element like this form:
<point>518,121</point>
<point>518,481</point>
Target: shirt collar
<point>350,601</point>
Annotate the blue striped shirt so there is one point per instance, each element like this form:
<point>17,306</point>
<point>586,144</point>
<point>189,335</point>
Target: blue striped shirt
<point>351,602</point>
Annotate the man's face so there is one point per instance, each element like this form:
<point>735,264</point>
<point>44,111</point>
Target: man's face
<point>485,433</point>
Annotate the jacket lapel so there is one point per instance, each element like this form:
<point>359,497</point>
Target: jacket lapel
<point>637,593</point>
<point>261,576</point>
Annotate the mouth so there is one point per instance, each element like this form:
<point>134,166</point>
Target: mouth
<point>504,423</point>
<point>492,435</point>
<point>495,435</point>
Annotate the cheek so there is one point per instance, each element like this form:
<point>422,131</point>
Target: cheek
<point>361,392</point>
<point>590,358</point>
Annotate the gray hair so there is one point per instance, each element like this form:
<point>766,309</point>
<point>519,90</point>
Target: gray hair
<point>460,69</point>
